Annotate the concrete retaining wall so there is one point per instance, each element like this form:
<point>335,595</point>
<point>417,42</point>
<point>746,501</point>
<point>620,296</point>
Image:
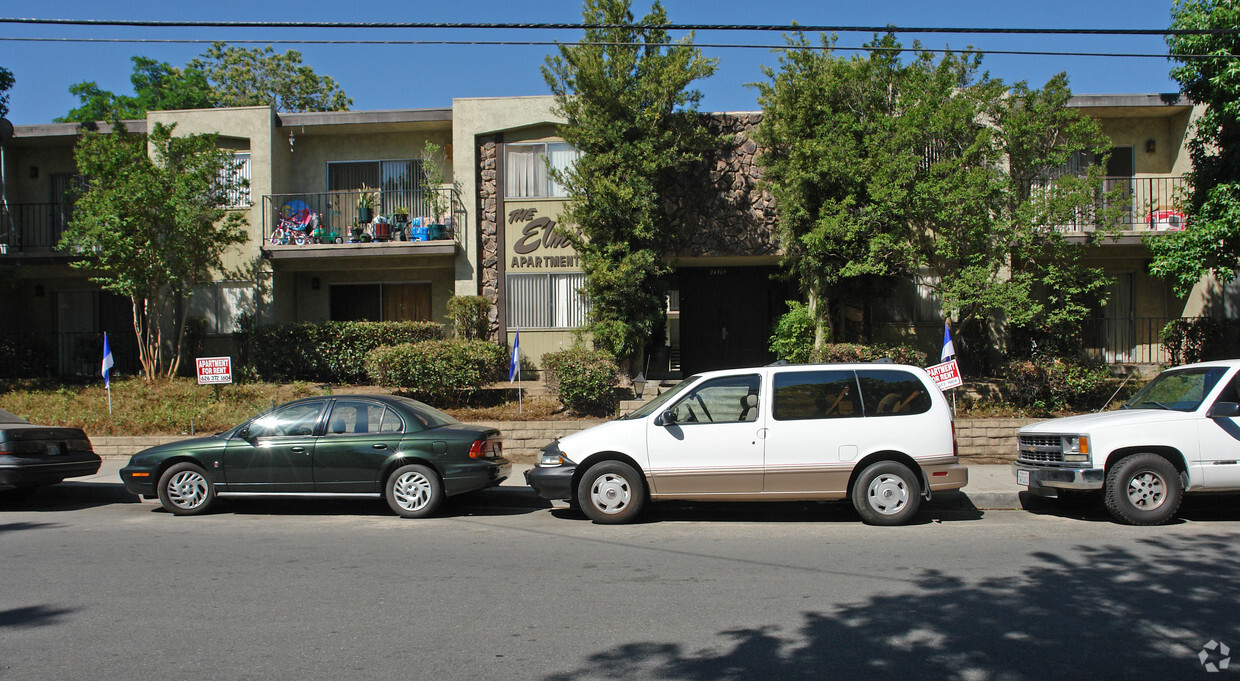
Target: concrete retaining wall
<point>980,440</point>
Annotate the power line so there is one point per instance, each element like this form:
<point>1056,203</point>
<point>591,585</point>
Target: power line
<point>549,43</point>
<point>786,28</point>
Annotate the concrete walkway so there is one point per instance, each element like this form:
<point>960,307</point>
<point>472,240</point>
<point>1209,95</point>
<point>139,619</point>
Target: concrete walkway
<point>991,487</point>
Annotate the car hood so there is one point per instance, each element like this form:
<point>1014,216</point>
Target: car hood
<point>601,431</point>
<point>1107,419</point>
<point>182,446</point>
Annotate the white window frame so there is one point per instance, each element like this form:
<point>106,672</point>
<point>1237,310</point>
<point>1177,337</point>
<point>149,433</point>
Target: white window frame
<point>527,177</point>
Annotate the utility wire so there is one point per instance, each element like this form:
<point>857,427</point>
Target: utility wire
<point>971,50</point>
<point>787,28</point>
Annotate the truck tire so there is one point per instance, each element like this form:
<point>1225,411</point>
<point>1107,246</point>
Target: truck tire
<point>1143,489</point>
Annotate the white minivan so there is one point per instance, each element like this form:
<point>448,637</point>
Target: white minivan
<point>878,434</point>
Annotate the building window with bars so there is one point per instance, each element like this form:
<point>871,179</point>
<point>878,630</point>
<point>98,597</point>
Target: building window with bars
<point>236,180</point>
<point>547,300</point>
<point>525,171</point>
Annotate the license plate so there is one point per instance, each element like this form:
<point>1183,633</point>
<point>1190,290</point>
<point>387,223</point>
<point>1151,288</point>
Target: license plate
<point>53,449</point>
<point>1022,478</point>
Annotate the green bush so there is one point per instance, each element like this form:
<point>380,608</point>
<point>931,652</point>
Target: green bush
<point>24,356</point>
<point>793,336</point>
<point>1054,385</point>
<point>470,317</point>
<point>1200,339</point>
<point>330,352</point>
<point>584,380</point>
<point>852,352</point>
<point>441,372</point>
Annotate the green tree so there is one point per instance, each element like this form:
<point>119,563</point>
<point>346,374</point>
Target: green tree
<point>883,166</point>
<point>625,94</point>
<point>158,86</point>
<point>1208,74</point>
<point>257,77</point>
<point>153,226</point>
<point>6,84</point>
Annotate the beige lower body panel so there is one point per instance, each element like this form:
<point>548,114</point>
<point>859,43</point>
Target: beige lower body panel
<point>800,482</point>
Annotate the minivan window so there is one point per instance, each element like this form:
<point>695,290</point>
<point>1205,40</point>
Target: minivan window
<point>829,394</point>
<point>721,400</point>
<point>892,393</point>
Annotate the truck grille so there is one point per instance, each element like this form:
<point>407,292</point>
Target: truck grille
<point>1040,448</point>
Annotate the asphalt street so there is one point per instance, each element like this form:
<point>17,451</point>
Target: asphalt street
<point>99,585</point>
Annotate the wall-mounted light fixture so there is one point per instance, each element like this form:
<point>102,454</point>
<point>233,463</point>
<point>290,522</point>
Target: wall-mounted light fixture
<point>315,283</point>
<point>38,290</point>
<point>1149,146</point>
<point>291,139</point>
<point>34,172</point>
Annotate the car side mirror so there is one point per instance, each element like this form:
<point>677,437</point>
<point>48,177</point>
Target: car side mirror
<point>668,418</point>
<point>1224,410</point>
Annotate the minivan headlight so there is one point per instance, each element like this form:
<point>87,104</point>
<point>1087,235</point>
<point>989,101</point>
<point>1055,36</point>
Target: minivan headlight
<point>1076,448</point>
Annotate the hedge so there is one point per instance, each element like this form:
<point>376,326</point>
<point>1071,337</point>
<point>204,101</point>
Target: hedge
<point>443,372</point>
<point>330,352</point>
<point>1201,339</point>
<point>1054,385</point>
<point>852,352</point>
<point>584,380</point>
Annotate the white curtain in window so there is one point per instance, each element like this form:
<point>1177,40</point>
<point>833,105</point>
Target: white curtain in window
<point>569,305</point>
<point>525,173</point>
<point>562,157</point>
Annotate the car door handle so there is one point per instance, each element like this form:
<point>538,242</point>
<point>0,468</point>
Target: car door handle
<point>379,446</point>
<point>297,450</point>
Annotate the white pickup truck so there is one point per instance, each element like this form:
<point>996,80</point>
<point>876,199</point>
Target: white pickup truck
<point>1180,433</point>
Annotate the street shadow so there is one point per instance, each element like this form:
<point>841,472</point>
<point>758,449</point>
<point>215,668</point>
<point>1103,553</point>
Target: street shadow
<point>781,512</point>
<point>482,503</point>
<point>21,527</point>
<point>66,496</point>
<point>1103,612</point>
<point>32,616</point>
<point>1194,508</point>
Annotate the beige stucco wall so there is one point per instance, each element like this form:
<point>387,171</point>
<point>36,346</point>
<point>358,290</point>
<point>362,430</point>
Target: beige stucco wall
<point>307,162</point>
<point>21,161</point>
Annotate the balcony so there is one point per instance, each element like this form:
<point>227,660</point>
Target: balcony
<point>33,228</point>
<point>331,224</point>
<point>1150,208</point>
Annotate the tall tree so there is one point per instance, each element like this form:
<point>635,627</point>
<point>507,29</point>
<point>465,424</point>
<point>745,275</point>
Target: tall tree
<point>625,94</point>
<point>6,84</point>
<point>257,77</point>
<point>1208,75</point>
<point>884,166</point>
<point>153,225</point>
<point>158,86</point>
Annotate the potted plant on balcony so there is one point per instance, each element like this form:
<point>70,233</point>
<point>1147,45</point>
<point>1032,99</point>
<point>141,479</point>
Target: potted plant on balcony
<point>400,214</point>
<point>366,205</point>
<point>432,187</point>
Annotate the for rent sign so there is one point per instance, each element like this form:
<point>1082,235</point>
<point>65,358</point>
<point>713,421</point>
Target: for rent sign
<point>946,375</point>
<point>214,370</point>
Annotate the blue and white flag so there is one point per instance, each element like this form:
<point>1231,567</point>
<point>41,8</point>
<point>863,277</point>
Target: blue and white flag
<point>512,366</point>
<point>107,361</point>
<point>949,348</point>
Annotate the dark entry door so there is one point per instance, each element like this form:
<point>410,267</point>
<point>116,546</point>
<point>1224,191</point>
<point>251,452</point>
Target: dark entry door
<point>726,314</point>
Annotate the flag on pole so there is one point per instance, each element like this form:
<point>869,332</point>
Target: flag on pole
<point>107,361</point>
<point>513,365</point>
<point>949,348</point>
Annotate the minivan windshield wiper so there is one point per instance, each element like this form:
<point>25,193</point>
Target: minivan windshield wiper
<point>1160,405</point>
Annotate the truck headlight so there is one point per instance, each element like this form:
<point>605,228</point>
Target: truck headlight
<point>1076,448</point>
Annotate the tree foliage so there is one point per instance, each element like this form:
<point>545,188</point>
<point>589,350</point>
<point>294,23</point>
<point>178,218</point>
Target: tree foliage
<point>1211,243</point>
<point>152,226</point>
<point>6,84</point>
<point>221,76</point>
<point>625,94</point>
<point>890,165</point>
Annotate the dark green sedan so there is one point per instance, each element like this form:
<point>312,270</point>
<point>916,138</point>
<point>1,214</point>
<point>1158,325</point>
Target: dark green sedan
<point>409,453</point>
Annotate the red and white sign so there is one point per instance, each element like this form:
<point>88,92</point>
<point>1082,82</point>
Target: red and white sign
<point>214,370</point>
<point>946,375</point>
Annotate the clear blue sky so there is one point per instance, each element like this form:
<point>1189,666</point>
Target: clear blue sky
<point>397,77</point>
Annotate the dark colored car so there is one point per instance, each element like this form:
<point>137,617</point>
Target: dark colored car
<point>34,456</point>
<point>409,453</point>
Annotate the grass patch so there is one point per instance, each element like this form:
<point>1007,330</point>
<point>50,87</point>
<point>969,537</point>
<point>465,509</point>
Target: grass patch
<point>181,406</point>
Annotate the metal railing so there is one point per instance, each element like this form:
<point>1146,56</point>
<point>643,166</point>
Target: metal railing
<point>338,215</point>
<point>66,354</point>
<point>1149,206</point>
<point>1124,341</point>
<point>33,227</point>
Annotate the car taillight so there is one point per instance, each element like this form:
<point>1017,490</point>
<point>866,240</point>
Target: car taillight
<point>6,447</point>
<point>482,449</point>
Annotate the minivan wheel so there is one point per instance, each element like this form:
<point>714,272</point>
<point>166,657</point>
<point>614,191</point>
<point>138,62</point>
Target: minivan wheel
<point>886,493</point>
<point>611,492</point>
<point>1143,489</point>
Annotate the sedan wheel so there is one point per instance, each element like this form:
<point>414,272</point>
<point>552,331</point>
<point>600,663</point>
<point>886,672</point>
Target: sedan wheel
<point>185,490</point>
<point>413,491</point>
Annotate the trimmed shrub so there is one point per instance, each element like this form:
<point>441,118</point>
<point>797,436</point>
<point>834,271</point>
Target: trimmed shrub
<point>852,352</point>
<point>470,317</point>
<point>793,336</point>
<point>331,352</point>
<point>584,380</point>
<point>1054,385</point>
<point>441,372</point>
<point>1200,339</point>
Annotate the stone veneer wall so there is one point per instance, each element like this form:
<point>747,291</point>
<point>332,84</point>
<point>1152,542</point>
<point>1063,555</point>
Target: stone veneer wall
<point>489,224</point>
<point>980,440</point>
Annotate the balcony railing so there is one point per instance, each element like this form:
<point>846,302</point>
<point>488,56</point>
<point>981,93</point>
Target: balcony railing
<point>1124,341</point>
<point>33,227</point>
<point>335,217</point>
<point>1149,206</point>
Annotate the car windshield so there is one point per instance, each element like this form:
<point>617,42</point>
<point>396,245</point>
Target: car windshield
<point>1177,390</point>
<point>10,417</point>
<point>654,405</point>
